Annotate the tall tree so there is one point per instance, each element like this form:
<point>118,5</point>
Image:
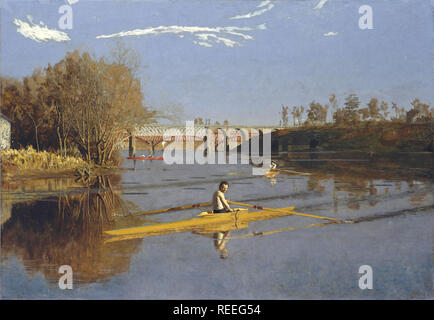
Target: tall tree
<point>364,112</point>
<point>421,108</point>
<point>334,103</point>
<point>352,104</point>
<point>374,110</point>
<point>294,115</point>
<point>31,105</point>
<point>419,112</point>
<point>284,115</point>
<point>109,104</point>
<point>339,117</point>
<point>317,114</point>
<point>384,108</point>
<point>399,112</point>
<point>299,114</point>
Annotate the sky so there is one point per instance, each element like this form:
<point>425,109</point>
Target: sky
<point>237,60</point>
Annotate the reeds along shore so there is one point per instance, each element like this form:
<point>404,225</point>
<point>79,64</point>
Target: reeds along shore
<point>30,159</point>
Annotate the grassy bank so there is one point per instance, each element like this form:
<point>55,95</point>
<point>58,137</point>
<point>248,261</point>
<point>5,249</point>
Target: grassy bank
<point>28,162</point>
<point>384,137</point>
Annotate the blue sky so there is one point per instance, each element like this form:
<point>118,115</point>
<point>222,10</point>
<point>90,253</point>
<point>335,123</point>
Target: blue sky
<point>239,60</point>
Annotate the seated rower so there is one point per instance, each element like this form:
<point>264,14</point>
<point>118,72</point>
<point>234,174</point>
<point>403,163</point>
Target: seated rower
<point>219,202</point>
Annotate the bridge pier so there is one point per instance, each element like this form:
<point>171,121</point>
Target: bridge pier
<point>132,145</point>
<point>280,145</point>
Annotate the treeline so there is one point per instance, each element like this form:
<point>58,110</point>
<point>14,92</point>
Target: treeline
<point>206,122</point>
<point>353,114</point>
<point>80,105</point>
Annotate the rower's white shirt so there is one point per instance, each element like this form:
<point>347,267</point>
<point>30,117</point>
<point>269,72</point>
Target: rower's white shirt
<point>217,203</point>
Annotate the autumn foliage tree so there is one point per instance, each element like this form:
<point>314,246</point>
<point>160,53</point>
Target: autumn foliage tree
<point>297,114</point>
<point>420,111</point>
<point>81,101</point>
<point>374,110</point>
<point>109,104</point>
<point>31,122</point>
<point>317,114</point>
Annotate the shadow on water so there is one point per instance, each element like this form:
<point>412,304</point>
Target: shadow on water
<point>67,230</point>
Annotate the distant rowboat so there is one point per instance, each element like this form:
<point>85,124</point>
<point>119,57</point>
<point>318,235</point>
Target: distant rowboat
<point>145,158</point>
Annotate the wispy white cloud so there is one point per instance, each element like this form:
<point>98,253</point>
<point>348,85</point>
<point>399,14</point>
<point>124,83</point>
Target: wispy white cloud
<point>29,17</point>
<point>72,1</point>
<point>320,4</point>
<point>256,12</point>
<point>330,34</point>
<point>205,35</point>
<point>263,4</point>
<point>40,32</point>
<point>209,37</point>
<point>203,44</point>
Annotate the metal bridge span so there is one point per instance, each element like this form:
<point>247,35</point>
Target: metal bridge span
<point>153,134</point>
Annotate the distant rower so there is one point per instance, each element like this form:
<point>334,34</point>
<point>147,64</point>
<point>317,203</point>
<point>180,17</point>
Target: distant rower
<point>219,202</point>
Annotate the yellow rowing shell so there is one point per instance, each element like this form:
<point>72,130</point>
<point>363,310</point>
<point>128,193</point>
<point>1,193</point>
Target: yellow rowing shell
<point>217,222</point>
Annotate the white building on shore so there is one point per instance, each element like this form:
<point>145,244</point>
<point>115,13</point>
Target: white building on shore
<point>5,132</point>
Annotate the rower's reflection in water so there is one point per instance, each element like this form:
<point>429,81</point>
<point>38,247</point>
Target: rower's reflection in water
<point>220,240</point>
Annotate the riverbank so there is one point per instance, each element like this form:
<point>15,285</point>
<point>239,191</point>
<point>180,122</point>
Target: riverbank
<point>369,137</point>
<point>30,164</point>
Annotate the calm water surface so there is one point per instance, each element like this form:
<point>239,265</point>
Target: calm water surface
<point>47,223</point>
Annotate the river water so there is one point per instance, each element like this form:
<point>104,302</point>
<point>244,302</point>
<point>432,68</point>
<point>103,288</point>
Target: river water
<point>48,223</point>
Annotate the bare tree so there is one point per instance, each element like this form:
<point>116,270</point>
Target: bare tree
<point>334,103</point>
<point>384,108</point>
<point>284,115</point>
<point>109,104</point>
<point>294,114</point>
<point>299,113</point>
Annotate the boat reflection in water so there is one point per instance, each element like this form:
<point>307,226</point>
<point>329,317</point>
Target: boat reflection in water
<point>215,226</point>
<point>68,230</point>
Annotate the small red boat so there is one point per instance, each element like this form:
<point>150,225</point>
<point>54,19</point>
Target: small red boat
<point>145,158</point>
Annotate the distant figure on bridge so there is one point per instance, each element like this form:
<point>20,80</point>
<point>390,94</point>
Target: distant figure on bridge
<point>219,203</point>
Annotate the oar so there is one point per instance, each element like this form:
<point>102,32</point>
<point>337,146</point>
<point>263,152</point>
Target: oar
<point>278,210</point>
<point>197,205</point>
<point>296,172</point>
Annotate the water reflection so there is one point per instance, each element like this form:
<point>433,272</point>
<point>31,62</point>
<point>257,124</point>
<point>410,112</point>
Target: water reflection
<point>357,182</point>
<point>67,230</point>
<point>66,224</point>
<point>220,240</point>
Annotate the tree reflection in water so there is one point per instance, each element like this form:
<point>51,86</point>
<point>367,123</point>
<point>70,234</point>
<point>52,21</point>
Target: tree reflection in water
<point>68,230</point>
